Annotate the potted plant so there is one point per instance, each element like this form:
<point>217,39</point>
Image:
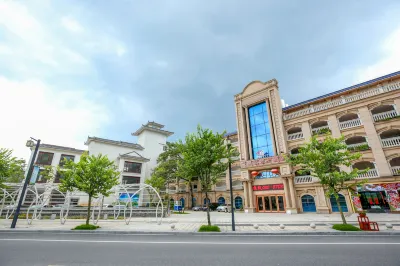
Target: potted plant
<point>362,213</point>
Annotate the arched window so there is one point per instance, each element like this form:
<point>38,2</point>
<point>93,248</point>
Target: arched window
<point>194,201</point>
<point>182,202</point>
<point>205,201</point>
<point>238,202</point>
<point>221,201</point>
<point>341,201</point>
<point>308,203</point>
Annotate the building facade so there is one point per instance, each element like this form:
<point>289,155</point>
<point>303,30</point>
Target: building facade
<point>134,161</point>
<point>366,114</point>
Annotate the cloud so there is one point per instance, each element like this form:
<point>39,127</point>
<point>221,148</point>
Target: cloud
<point>389,61</point>
<point>71,24</point>
<point>31,108</point>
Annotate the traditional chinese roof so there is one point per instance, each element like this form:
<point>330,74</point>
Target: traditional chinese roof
<point>154,127</point>
<point>343,90</point>
<point>136,157</point>
<point>115,143</point>
<point>61,148</point>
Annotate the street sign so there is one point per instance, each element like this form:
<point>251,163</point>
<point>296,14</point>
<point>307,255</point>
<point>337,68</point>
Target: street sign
<point>35,175</point>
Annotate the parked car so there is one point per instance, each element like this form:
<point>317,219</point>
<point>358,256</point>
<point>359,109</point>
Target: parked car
<point>213,206</point>
<point>222,208</point>
<point>107,206</point>
<point>197,208</point>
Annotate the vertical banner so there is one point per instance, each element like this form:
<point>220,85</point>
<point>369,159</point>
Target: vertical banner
<point>35,175</point>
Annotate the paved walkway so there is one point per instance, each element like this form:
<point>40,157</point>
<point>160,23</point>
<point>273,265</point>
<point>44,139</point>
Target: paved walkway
<point>191,222</point>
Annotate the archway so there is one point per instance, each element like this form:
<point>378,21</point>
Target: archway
<point>341,201</point>
<point>182,202</point>
<point>221,201</point>
<point>308,203</point>
<point>205,201</point>
<point>238,202</point>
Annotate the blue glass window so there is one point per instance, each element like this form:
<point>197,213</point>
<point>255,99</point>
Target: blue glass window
<point>266,174</point>
<point>221,201</point>
<point>260,133</point>
<point>238,203</point>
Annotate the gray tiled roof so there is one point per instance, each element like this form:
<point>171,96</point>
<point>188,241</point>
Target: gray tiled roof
<point>56,147</point>
<point>115,142</point>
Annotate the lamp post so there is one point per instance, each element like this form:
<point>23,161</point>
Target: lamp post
<point>30,144</point>
<point>230,187</point>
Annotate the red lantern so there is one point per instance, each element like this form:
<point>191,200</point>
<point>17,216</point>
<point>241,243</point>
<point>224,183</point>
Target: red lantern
<point>275,171</point>
<point>254,173</point>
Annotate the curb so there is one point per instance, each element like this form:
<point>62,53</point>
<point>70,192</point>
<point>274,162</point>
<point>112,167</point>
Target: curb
<point>113,232</point>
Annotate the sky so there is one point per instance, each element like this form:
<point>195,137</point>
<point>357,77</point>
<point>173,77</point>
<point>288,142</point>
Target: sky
<point>72,69</point>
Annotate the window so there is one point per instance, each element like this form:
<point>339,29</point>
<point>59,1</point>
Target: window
<point>58,177</point>
<point>130,180</point>
<point>266,174</point>
<point>44,158</point>
<point>238,203</point>
<point>65,157</point>
<point>260,132</point>
<point>221,201</point>
<point>132,167</point>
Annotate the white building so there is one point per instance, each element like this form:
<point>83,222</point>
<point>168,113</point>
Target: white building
<point>135,161</point>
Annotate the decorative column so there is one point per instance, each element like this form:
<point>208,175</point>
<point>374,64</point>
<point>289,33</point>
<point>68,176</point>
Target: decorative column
<point>334,126</point>
<point>286,189</point>
<point>292,194</point>
<point>250,195</point>
<point>305,128</point>
<point>374,142</point>
<point>246,195</point>
<point>249,146</point>
<point>321,203</point>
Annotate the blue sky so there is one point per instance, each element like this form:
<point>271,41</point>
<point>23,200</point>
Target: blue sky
<point>69,69</point>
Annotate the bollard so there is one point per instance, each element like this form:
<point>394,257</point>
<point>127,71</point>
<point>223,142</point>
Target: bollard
<point>255,226</point>
<point>172,226</point>
<point>313,226</point>
<point>389,226</point>
<point>105,217</point>
<point>282,226</point>
<point>53,216</point>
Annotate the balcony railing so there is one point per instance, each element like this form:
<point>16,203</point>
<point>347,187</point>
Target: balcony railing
<point>171,191</point>
<point>194,189</point>
<point>395,170</point>
<point>343,100</point>
<point>320,130</point>
<point>358,146</point>
<point>220,188</point>
<point>298,135</point>
<point>391,142</point>
<point>237,187</point>
<point>182,190</point>
<point>384,115</point>
<point>369,174</point>
<point>350,124</point>
<point>305,179</point>
<point>236,173</point>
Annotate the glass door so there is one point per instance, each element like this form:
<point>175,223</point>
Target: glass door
<point>274,206</point>
<point>260,204</point>
<point>281,204</point>
<point>267,204</point>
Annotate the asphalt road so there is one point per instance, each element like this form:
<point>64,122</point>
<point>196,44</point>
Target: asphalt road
<point>22,248</point>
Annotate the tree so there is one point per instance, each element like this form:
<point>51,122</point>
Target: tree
<point>324,159</point>
<point>94,175</point>
<point>12,169</point>
<point>206,156</point>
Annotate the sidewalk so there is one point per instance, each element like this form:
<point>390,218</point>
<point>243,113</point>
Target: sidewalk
<point>191,222</point>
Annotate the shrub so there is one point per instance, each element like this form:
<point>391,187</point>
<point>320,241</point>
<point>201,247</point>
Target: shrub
<point>209,228</point>
<point>86,227</point>
<point>363,147</point>
<point>213,206</point>
<point>322,131</point>
<point>180,212</point>
<point>345,227</point>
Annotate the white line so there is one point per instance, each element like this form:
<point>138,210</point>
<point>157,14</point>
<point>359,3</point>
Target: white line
<point>191,243</point>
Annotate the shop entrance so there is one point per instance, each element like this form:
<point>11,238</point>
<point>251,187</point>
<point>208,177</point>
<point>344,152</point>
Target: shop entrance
<point>374,201</point>
<point>270,203</point>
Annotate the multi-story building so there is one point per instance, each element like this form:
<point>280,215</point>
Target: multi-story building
<point>135,161</point>
<point>367,114</point>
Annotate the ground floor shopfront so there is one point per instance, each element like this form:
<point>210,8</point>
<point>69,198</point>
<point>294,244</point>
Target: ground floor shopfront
<point>219,197</point>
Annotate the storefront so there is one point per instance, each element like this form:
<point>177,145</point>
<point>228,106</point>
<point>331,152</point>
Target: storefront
<point>269,198</point>
<point>377,198</point>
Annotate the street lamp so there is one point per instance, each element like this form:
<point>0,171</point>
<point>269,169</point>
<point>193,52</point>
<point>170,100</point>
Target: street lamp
<point>230,185</point>
<point>30,143</point>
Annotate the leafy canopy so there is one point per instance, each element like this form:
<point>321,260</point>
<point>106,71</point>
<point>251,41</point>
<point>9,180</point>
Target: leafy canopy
<point>12,169</point>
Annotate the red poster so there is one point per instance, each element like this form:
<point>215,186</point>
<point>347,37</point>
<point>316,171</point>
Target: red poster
<point>268,187</point>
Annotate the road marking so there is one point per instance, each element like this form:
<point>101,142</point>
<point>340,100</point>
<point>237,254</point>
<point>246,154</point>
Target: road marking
<point>191,243</point>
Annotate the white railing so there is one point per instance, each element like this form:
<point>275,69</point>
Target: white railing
<point>236,187</point>
<point>318,129</point>
<point>384,115</point>
<point>343,100</point>
<point>194,189</point>
<point>370,173</point>
<point>182,190</point>
<point>391,142</point>
<point>350,123</point>
<point>395,170</point>
<point>298,135</point>
<point>171,191</point>
<point>357,145</point>
<point>305,179</point>
<point>236,172</point>
<point>220,188</point>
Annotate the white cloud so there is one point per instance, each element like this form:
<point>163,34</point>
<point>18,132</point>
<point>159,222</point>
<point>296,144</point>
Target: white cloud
<point>31,108</point>
<point>389,63</point>
<point>71,24</point>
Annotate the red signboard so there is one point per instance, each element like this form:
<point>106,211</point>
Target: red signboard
<point>268,187</point>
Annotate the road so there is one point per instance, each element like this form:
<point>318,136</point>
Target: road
<point>23,248</point>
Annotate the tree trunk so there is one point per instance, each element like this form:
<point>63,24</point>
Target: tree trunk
<point>191,196</point>
<point>208,209</point>
<point>340,208</point>
<point>88,210</point>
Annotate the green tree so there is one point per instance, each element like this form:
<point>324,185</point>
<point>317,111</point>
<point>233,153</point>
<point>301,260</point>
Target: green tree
<point>12,169</point>
<point>94,175</point>
<point>206,156</point>
<point>324,159</point>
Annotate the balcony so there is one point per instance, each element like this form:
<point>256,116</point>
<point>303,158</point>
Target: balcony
<point>395,166</point>
<point>320,130</point>
<point>236,173</point>
<point>357,143</point>
<point>295,133</point>
<point>349,121</point>
<point>384,112</point>
<point>237,185</point>
<point>371,173</point>
<point>390,138</point>
<point>305,179</point>
<point>172,190</point>
<point>182,189</point>
<point>395,170</point>
<point>342,100</point>
<point>220,187</point>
